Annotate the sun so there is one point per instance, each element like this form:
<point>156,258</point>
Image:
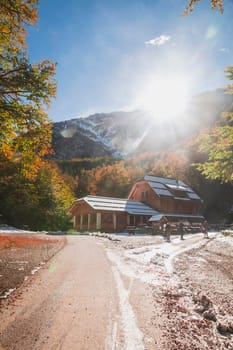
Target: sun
<point>165,98</point>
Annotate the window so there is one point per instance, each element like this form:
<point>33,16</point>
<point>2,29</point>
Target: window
<point>179,193</point>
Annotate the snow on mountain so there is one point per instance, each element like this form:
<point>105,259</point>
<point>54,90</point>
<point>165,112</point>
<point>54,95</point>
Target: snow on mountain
<point>121,134</point>
<point>117,134</point>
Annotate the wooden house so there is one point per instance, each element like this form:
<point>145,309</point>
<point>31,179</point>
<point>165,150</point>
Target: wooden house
<point>170,197</point>
<point>109,214</point>
<point>150,199</point>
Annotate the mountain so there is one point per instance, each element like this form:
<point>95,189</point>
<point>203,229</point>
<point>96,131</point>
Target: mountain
<point>121,134</point>
<point>116,134</point>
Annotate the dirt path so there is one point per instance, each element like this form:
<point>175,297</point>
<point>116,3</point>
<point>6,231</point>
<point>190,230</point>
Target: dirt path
<point>125,293</point>
<point>80,300</point>
<point>68,305</point>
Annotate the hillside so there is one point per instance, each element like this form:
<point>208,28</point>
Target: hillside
<point>122,134</point>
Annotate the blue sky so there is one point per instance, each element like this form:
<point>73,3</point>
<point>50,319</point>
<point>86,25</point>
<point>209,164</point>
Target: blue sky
<point>121,55</point>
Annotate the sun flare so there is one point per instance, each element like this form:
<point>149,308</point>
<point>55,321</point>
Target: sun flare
<point>165,98</point>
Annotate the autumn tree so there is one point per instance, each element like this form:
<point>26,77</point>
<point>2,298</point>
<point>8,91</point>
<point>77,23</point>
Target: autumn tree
<point>217,145</point>
<point>116,179</point>
<point>40,203</point>
<point>112,180</point>
<point>215,4</point>
<point>26,90</point>
<point>172,165</point>
<point>32,189</point>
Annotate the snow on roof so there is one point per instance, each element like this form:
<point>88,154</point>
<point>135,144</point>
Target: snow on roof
<point>171,215</point>
<point>156,217</point>
<point>118,204</point>
<point>177,187</point>
<point>169,187</point>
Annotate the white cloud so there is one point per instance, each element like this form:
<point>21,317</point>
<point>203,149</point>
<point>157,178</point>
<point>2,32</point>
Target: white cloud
<point>158,41</point>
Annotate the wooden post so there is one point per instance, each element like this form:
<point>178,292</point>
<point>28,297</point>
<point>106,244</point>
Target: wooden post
<point>88,221</point>
<point>74,221</point>
<point>114,221</point>
<point>98,221</point>
<point>81,222</point>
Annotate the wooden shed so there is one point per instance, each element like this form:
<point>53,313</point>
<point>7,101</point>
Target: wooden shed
<point>109,214</point>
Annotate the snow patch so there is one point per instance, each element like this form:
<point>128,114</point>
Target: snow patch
<point>133,267</point>
<point>35,270</point>
<point>68,132</point>
<point>7,293</point>
<point>133,337</point>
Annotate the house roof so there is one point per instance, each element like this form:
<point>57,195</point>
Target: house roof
<point>172,188</point>
<point>159,216</point>
<point>118,204</point>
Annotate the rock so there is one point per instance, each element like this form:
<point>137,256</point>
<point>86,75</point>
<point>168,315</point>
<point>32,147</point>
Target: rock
<point>203,301</point>
<point>199,309</point>
<point>210,315</point>
<point>225,326</point>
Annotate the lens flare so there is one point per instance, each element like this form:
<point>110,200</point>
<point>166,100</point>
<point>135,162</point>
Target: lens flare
<point>164,98</point>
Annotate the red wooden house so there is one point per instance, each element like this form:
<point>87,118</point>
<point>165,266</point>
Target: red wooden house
<point>150,199</point>
<point>109,214</point>
<point>172,198</point>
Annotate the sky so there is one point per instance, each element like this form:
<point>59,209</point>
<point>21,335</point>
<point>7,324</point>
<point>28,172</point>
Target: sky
<point>135,54</point>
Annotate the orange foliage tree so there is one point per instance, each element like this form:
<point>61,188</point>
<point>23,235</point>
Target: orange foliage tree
<point>40,202</point>
<point>32,191</point>
<point>117,179</point>
<point>215,4</point>
<point>111,180</point>
<point>26,90</point>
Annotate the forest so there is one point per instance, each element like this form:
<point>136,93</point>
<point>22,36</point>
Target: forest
<point>115,178</point>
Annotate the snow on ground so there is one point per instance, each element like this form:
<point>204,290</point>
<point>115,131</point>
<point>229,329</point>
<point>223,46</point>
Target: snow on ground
<point>151,263</point>
<point>223,243</point>
<point>6,230</point>
<point>195,298</point>
<point>133,337</point>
